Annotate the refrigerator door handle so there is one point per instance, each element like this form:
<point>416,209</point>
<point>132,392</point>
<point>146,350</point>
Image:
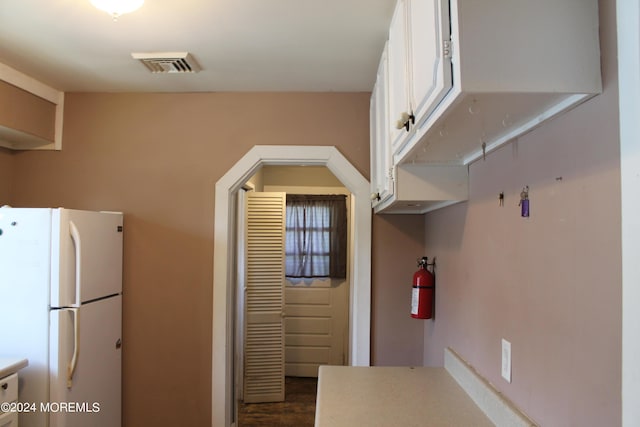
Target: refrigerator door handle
<point>75,236</point>
<point>71,367</point>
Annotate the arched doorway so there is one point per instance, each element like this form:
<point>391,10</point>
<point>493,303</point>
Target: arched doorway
<point>223,264</point>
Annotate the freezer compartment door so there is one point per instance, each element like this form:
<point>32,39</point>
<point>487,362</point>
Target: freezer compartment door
<point>86,256</point>
<point>86,365</point>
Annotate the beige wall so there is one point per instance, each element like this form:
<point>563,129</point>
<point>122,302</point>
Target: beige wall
<point>156,157</point>
<point>397,338</point>
<point>6,169</point>
<point>300,176</point>
<point>550,284</point>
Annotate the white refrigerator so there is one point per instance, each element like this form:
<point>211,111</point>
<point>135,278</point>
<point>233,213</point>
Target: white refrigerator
<point>61,307</point>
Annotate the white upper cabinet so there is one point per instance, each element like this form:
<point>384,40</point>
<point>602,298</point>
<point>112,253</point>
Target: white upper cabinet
<point>419,63</point>
<point>515,63</point>
<point>381,167</point>
<point>467,76</point>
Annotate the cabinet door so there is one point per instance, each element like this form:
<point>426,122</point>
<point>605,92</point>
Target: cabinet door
<point>374,148</point>
<point>429,54</point>
<point>419,63</point>
<point>398,74</point>
<point>381,161</point>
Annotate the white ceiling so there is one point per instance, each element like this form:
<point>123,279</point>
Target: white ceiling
<point>241,45</point>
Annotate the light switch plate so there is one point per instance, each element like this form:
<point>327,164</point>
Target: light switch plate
<point>506,360</point>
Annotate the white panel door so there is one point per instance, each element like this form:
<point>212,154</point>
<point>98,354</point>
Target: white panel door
<point>86,256</point>
<point>264,298</point>
<point>316,328</point>
<point>86,363</point>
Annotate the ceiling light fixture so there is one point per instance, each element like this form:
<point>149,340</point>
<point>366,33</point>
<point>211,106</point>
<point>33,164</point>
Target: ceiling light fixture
<point>116,8</point>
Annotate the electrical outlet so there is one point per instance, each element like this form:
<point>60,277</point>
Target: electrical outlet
<point>506,360</point>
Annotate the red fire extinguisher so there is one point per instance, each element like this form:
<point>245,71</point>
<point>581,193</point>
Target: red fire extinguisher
<point>423,291</point>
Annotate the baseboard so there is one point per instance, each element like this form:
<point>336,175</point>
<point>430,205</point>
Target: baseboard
<point>500,410</point>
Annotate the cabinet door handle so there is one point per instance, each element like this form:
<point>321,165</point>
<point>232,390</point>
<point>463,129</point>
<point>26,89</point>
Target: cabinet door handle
<point>5,386</point>
<point>406,120</point>
<point>411,119</point>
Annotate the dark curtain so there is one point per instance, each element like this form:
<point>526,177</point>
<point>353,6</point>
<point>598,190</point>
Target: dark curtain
<point>316,236</point>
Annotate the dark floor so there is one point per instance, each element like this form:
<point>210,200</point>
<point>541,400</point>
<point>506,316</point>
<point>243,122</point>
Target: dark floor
<point>298,409</point>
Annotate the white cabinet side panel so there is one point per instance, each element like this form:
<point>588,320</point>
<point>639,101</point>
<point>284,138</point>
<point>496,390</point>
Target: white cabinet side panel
<point>24,297</point>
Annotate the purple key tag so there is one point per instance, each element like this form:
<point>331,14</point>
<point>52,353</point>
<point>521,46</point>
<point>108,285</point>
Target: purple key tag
<point>524,202</point>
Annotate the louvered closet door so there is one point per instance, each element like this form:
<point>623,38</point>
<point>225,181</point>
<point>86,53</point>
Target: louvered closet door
<point>264,317</point>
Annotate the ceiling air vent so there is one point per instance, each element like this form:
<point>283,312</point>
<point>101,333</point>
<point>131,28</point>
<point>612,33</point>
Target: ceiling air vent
<point>168,62</point>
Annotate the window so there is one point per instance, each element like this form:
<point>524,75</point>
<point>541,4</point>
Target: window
<point>316,236</point>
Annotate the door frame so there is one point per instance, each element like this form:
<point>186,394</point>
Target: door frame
<point>628,39</point>
<point>225,224</point>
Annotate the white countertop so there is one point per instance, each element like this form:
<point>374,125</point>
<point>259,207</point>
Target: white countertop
<point>393,396</point>
<point>10,365</point>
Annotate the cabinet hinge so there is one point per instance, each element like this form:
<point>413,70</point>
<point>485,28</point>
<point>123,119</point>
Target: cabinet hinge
<point>447,49</point>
